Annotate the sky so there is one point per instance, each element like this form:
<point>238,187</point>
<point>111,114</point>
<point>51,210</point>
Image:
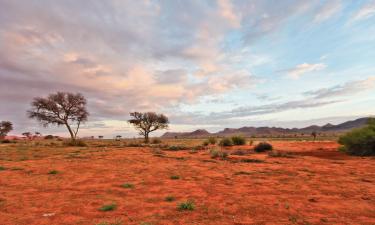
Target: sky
<point>205,64</point>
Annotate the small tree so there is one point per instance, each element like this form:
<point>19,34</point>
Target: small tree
<point>314,134</point>
<point>61,108</point>
<point>5,128</point>
<point>27,135</point>
<point>148,122</point>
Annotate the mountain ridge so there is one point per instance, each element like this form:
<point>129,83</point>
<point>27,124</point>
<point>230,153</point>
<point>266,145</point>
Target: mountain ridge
<point>254,131</point>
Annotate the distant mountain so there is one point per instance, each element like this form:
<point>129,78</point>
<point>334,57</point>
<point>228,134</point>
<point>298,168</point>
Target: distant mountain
<point>271,131</point>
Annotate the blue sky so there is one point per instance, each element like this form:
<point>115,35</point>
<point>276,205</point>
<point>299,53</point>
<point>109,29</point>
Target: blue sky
<point>205,64</point>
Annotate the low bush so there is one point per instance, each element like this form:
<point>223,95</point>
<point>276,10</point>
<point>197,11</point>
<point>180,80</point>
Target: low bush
<point>216,153</point>
<point>238,140</point>
<point>263,146</point>
<point>359,142</point>
<point>176,148</point>
<point>128,185</point>
<point>184,206</point>
<point>170,198</point>
<point>76,143</point>
<point>109,207</point>
<point>226,142</point>
<point>175,177</point>
<point>206,143</point>
<point>48,137</point>
<point>279,154</point>
<point>212,140</point>
<point>156,141</point>
<point>5,141</point>
<point>53,172</point>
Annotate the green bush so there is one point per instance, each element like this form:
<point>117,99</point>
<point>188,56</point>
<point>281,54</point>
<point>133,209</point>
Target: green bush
<point>206,143</point>
<point>216,153</point>
<point>226,142</point>
<point>127,185</point>
<point>360,142</point>
<point>188,205</point>
<point>263,146</point>
<point>109,207</point>
<point>212,140</point>
<point>156,141</point>
<point>238,140</point>
<point>48,137</point>
<point>6,141</point>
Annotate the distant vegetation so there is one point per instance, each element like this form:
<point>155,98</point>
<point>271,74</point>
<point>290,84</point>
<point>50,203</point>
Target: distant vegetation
<point>5,128</point>
<point>263,146</point>
<point>148,122</point>
<point>360,142</point>
<point>59,109</point>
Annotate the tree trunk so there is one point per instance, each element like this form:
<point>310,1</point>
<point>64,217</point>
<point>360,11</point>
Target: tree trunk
<point>146,138</point>
<point>71,132</point>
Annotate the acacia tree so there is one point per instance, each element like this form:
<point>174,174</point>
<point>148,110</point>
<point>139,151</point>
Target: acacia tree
<point>5,128</point>
<point>148,122</point>
<point>61,109</point>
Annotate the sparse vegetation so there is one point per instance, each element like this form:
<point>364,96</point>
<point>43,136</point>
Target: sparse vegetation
<point>175,177</point>
<point>128,185</point>
<point>156,141</point>
<point>5,128</point>
<point>263,146</point>
<point>226,142</point>
<point>212,140</point>
<point>75,142</point>
<point>109,207</point>
<point>217,153</point>
<point>2,168</point>
<point>238,140</point>
<point>170,198</point>
<point>279,154</point>
<point>360,142</point>
<point>148,122</point>
<point>52,172</point>
<point>186,206</point>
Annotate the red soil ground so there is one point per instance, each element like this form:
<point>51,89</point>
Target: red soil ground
<point>318,185</point>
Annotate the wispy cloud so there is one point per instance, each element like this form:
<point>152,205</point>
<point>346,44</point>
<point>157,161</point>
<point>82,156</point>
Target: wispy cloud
<point>327,10</point>
<point>303,68</point>
<point>366,11</point>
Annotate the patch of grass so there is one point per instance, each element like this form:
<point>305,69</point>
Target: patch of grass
<point>2,168</point>
<point>239,152</point>
<point>109,207</point>
<point>175,177</point>
<point>170,198</point>
<point>242,173</point>
<point>128,185</point>
<point>176,148</point>
<point>16,168</point>
<point>76,143</point>
<point>216,153</point>
<point>279,154</point>
<point>252,161</point>
<point>53,172</point>
<point>238,140</point>
<point>186,206</point>
<point>226,142</point>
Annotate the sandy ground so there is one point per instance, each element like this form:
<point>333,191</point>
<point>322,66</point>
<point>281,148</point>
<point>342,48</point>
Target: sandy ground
<point>317,185</point>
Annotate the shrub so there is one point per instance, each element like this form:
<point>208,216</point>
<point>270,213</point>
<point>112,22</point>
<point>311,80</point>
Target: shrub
<point>206,143</point>
<point>127,185</point>
<point>279,154</point>
<point>109,207</point>
<point>6,141</point>
<point>360,142</point>
<point>175,177</point>
<point>2,168</point>
<point>53,172</point>
<point>176,148</point>
<point>212,140</point>
<point>48,137</point>
<point>263,146</point>
<point>238,140</point>
<point>156,141</point>
<point>76,143</point>
<point>226,142</point>
<point>215,153</point>
<point>170,198</point>
<point>251,142</point>
<point>188,205</point>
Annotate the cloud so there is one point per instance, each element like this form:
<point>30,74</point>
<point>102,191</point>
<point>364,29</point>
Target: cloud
<point>349,88</point>
<point>327,10</point>
<point>365,12</point>
<point>303,68</point>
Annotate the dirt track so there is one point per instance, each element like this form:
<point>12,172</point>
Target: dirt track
<point>317,185</point>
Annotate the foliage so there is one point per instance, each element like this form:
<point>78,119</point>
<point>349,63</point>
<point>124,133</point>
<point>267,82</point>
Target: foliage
<point>184,206</point>
<point>238,140</point>
<point>76,143</point>
<point>5,128</point>
<point>127,185</point>
<point>263,146</point>
<point>175,177</point>
<point>48,137</point>
<point>148,122</point>
<point>62,108</point>
<point>206,143</point>
<point>212,140</point>
<point>156,141</point>
<point>360,142</point>
<point>109,207</point>
<point>226,142</point>
<point>177,148</point>
<point>216,153</point>
<point>170,198</point>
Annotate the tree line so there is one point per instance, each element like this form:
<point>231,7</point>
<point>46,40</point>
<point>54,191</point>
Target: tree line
<point>70,110</point>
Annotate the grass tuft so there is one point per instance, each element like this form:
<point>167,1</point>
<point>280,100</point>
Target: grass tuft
<point>109,207</point>
<point>186,206</point>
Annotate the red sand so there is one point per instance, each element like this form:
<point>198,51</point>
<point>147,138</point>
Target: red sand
<point>317,186</point>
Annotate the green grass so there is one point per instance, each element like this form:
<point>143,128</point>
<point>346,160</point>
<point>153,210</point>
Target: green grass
<point>175,177</point>
<point>186,206</point>
<point>53,172</point>
<point>2,168</point>
<point>128,185</point>
<point>109,207</point>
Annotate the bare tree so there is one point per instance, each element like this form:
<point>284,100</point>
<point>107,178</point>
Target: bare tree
<point>148,122</point>
<point>62,108</point>
<point>5,128</point>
